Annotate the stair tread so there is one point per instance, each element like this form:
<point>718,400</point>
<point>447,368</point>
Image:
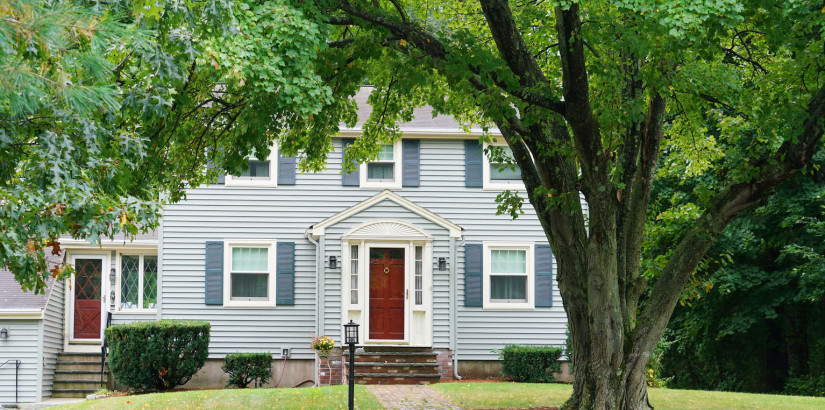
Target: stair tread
<point>78,362</point>
<point>395,364</point>
<point>80,371</point>
<point>77,381</point>
<point>401,375</point>
<point>74,390</point>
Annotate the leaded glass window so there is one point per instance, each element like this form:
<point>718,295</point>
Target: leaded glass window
<point>419,275</point>
<point>138,281</point>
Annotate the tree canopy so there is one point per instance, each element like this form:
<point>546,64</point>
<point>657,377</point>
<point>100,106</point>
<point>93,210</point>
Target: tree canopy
<point>585,93</point>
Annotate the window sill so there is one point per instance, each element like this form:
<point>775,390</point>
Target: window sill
<point>250,183</point>
<point>136,311</point>
<point>504,185</point>
<point>508,306</point>
<point>248,305</point>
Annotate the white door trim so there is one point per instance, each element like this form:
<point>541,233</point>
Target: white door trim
<point>104,292</point>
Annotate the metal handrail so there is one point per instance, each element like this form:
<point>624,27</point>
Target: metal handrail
<point>104,347</point>
<point>16,375</point>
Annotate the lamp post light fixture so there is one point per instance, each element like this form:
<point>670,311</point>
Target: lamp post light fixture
<point>351,338</point>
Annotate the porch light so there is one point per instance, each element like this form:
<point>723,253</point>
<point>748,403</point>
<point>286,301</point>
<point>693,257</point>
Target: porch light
<point>4,333</point>
<point>351,338</point>
<point>333,262</point>
<point>442,263</point>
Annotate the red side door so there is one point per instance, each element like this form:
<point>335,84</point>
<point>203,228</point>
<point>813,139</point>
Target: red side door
<point>87,303</point>
<point>386,290</point>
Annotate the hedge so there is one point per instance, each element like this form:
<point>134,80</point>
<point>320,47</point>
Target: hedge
<point>157,355</point>
<point>531,363</point>
<point>245,368</point>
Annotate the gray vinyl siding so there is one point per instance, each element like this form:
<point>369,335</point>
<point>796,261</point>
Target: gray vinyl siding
<point>284,213</point>
<point>23,345</point>
<point>53,328</point>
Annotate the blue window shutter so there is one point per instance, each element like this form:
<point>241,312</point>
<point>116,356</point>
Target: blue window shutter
<point>473,275</point>
<point>285,274</point>
<point>349,179</point>
<point>411,165</point>
<point>286,170</point>
<point>472,164</point>
<point>214,273</point>
<point>544,276</point>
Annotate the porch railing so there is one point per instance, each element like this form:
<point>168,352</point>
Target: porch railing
<point>17,364</point>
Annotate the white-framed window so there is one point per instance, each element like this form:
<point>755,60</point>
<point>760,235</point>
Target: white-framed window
<point>249,274</point>
<point>509,275</point>
<point>353,274</point>
<point>419,276</point>
<point>499,176</point>
<point>257,173</point>
<point>384,171</point>
<point>137,281</point>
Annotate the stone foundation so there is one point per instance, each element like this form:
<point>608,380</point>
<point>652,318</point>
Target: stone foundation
<point>295,372</point>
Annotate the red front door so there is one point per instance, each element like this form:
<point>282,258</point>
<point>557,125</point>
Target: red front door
<point>386,294</point>
<point>87,306</point>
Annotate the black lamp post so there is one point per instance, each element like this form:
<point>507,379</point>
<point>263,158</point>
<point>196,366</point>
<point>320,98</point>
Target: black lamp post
<point>351,338</point>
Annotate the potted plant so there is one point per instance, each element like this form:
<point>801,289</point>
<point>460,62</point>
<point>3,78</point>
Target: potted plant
<point>322,345</point>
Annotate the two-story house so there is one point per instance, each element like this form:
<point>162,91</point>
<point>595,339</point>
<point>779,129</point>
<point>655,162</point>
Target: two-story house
<point>409,247</point>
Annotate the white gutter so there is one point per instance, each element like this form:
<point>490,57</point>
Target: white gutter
<point>318,296</point>
<point>454,310</point>
<point>21,314</point>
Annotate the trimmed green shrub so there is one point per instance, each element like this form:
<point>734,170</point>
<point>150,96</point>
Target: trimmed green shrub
<point>157,355</point>
<point>245,368</point>
<point>807,385</point>
<point>532,364</point>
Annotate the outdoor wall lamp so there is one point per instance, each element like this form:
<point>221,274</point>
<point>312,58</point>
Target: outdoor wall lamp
<point>4,333</point>
<point>442,263</point>
<point>333,262</point>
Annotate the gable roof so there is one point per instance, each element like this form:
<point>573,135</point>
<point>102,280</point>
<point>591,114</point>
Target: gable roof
<point>14,301</point>
<point>423,121</point>
<point>319,228</point>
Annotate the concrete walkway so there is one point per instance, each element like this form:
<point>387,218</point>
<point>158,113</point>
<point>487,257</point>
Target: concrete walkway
<point>410,397</point>
<point>49,403</point>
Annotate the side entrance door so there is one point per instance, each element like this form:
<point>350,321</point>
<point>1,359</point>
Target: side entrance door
<point>387,297</point>
<point>87,289</point>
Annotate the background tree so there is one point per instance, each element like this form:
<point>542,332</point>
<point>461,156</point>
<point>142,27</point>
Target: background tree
<point>585,94</point>
<point>753,315</point>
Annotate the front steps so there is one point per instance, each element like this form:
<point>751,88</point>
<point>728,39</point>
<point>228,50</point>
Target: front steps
<point>78,375</point>
<point>394,365</point>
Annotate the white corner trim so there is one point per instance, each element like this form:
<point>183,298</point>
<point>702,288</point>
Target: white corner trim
<point>21,314</point>
<point>319,228</point>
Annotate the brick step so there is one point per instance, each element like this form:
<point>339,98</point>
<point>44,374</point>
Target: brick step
<point>72,393</point>
<point>382,378</point>
<point>94,385</point>
<point>395,358</point>
<point>395,368</point>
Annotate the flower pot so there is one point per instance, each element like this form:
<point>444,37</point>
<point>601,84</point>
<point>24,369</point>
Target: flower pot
<point>322,353</point>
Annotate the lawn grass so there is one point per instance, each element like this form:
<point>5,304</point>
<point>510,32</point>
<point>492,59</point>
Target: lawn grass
<point>309,398</point>
<point>523,395</point>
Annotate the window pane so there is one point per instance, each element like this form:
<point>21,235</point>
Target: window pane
<point>353,275</point>
<point>249,259</point>
<point>150,281</point>
<point>129,277</point>
<point>508,261</point>
<point>250,285</point>
<point>419,275</point>
<point>380,170</point>
<point>257,169</point>
<point>396,253</point>
<point>510,288</point>
<point>386,153</point>
<point>501,172</point>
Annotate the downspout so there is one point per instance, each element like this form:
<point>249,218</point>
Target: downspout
<point>454,310</point>
<point>308,237</point>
